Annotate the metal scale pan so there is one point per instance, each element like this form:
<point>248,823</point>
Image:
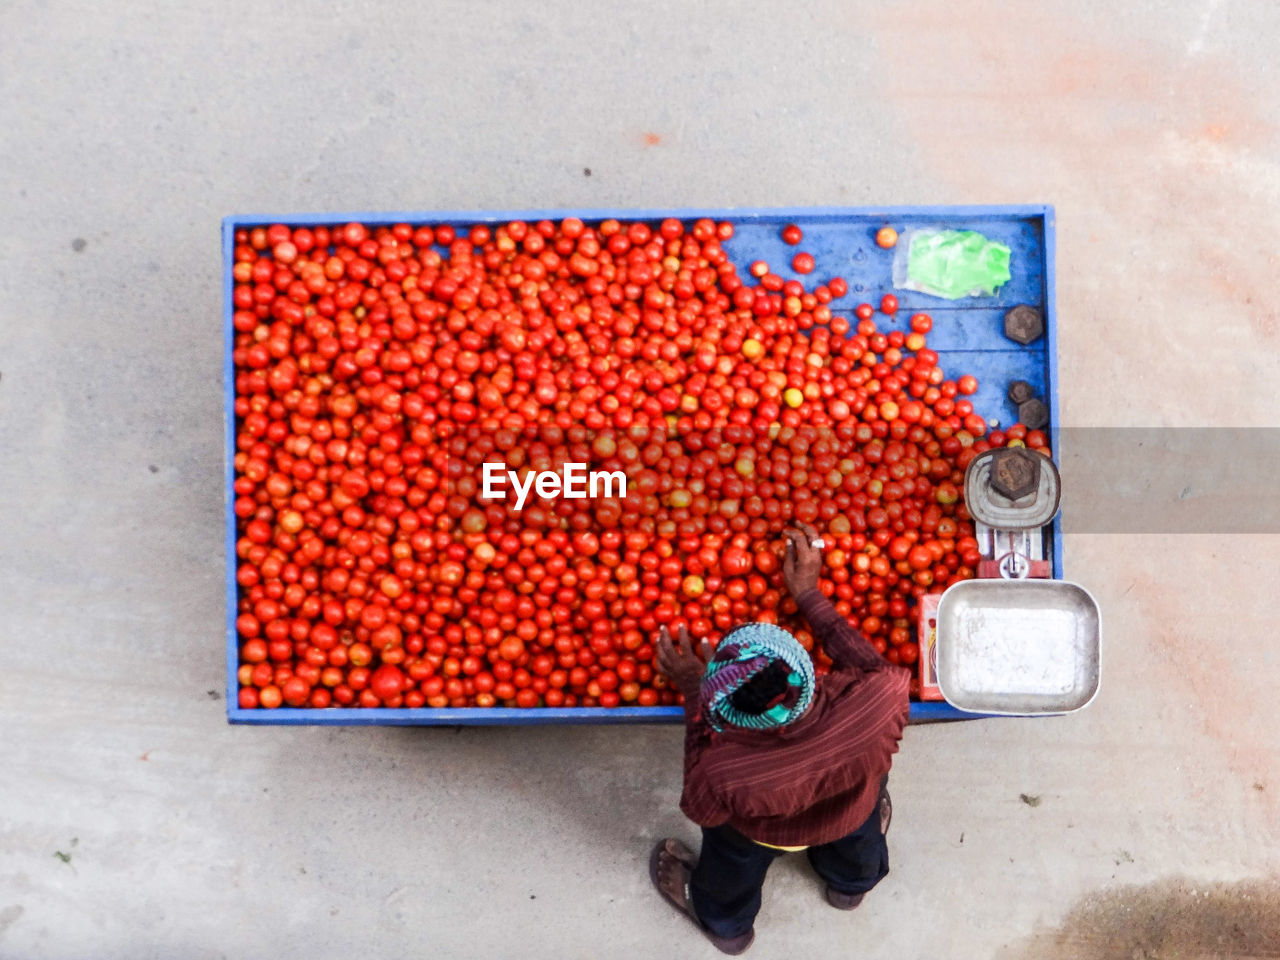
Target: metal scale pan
<point>1019,647</point>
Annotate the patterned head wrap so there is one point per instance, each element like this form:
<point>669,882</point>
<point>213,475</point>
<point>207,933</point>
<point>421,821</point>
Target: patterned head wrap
<point>742,654</point>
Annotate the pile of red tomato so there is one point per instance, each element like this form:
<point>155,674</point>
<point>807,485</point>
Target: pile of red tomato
<point>377,370</point>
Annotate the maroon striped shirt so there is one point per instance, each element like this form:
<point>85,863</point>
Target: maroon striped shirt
<point>815,779</point>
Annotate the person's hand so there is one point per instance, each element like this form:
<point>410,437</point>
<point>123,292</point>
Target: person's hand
<point>678,661</point>
<point>803,562</point>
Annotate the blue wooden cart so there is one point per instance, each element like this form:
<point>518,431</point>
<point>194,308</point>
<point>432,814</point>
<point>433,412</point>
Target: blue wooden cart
<point>968,336</point>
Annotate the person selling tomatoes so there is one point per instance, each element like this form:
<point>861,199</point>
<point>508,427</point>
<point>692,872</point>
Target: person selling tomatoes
<point>777,760</point>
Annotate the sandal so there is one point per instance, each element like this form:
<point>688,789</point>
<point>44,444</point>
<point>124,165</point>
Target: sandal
<point>684,856</point>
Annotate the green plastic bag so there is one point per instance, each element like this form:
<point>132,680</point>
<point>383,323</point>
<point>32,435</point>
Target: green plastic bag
<point>952,264</point>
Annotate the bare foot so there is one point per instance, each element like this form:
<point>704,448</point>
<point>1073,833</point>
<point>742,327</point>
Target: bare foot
<point>671,865</point>
<point>673,873</point>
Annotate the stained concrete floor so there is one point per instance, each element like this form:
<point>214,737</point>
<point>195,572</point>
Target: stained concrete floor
<point>134,822</point>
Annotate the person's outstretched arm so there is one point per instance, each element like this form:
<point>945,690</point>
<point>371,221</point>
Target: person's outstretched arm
<point>846,647</point>
<point>684,668</point>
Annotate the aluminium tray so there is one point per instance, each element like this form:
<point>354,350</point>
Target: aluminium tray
<point>1019,647</point>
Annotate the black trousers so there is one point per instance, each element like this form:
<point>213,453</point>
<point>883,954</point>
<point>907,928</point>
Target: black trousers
<point>725,887</point>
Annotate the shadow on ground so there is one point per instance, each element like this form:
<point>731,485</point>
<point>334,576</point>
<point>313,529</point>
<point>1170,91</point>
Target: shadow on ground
<point>1170,918</point>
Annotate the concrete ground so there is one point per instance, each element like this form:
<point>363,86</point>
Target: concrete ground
<point>134,822</point>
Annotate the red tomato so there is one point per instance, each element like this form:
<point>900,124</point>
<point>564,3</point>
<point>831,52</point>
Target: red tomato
<point>270,696</point>
<point>889,304</point>
<point>792,234</point>
<point>802,263</point>
<point>735,562</point>
<point>295,691</point>
<point>975,424</point>
<point>766,561</point>
<point>387,682</point>
<point>920,558</point>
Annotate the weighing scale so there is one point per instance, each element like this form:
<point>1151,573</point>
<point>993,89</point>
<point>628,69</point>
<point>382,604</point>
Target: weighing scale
<point>1013,640</point>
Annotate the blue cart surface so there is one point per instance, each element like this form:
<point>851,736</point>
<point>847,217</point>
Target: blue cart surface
<point>967,334</point>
